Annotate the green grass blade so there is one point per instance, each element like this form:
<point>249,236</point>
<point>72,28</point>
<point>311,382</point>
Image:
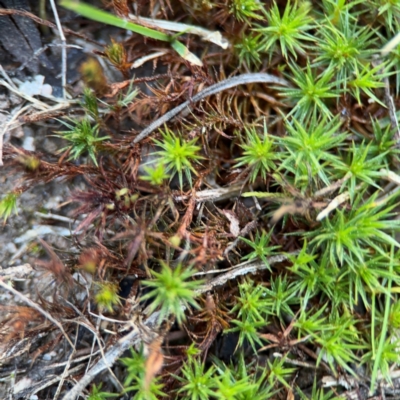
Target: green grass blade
<point>98,15</point>
<point>95,14</point>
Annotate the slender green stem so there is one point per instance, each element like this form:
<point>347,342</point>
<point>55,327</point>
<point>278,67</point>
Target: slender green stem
<point>384,324</point>
<point>373,308</point>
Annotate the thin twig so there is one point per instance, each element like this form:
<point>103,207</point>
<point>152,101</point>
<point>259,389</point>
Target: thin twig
<point>331,188</point>
<point>6,77</point>
<point>11,120</point>
<point>74,361</point>
<point>392,177</point>
<point>98,338</point>
<point>110,358</point>
<point>8,126</point>
<point>217,194</point>
<point>219,271</point>
<point>256,202</point>
<point>214,89</point>
<point>51,381</point>
<point>63,48</point>
<point>335,203</point>
<point>394,124</point>
<point>297,363</point>
<point>67,367</point>
<point>392,111</point>
<point>56,217</point>
<point>102,317</point>
<point>38,52</point>
<point>383,199</point>
<point>251,268</point>
<point>35,102</point>
<point>33,17</point>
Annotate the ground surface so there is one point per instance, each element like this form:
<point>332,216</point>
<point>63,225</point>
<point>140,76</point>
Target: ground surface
<point>259,261</point>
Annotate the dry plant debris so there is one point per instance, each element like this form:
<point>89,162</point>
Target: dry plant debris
<point>230,225</point>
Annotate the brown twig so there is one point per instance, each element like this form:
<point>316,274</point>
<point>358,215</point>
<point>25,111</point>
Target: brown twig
<point>23,13</point>
<point>211,90</point>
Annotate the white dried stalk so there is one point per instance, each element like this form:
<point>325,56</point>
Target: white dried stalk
<point>335,203</point>
<point>207,35</point>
